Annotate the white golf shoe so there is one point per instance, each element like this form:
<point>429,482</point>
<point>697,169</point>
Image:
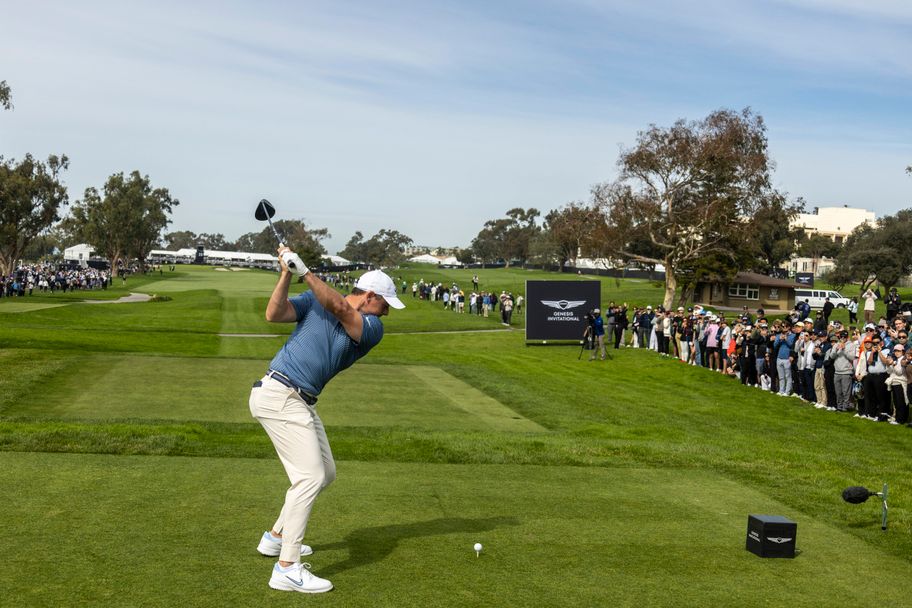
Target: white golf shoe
<point>271,548</point>
<point>297,577</point>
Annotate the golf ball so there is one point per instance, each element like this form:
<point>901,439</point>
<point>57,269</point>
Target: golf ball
<point>478,546</point>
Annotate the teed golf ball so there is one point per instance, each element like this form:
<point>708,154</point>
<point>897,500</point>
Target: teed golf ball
<point>477,547</point>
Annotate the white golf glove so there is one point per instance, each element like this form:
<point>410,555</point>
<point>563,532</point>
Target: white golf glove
<point>294,263</point>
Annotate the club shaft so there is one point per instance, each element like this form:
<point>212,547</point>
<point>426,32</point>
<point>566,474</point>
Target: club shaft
<point>275,232</point>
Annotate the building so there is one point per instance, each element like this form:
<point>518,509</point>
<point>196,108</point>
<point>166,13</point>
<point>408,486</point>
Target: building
<point>836,223</point>
<point>199,255</point>
<point>79,254</point>
<point>748,289</point>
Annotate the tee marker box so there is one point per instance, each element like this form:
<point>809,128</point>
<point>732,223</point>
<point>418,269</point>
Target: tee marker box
<point>771,536</point>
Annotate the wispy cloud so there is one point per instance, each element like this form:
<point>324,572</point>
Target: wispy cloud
<point>435,116</point>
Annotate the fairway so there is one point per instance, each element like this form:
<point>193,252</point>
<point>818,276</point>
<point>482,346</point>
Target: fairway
<point>126,438</point>
<point>401,534</point>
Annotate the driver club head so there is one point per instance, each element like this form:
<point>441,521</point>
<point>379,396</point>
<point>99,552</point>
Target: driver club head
<point>264,210</point>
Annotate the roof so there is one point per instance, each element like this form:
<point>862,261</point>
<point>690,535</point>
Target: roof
<point>761,279</point>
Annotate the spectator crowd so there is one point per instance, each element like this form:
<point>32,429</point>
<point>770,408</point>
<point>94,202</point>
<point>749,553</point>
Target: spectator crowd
<point>477,302</point>
<point>864,369</point>
<point>25,280</point>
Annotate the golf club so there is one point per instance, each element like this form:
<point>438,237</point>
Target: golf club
<point>859,494</point>
<point>264,213</point>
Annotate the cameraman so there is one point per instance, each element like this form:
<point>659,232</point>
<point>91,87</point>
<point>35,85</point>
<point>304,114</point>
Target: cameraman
<point>596,330</point>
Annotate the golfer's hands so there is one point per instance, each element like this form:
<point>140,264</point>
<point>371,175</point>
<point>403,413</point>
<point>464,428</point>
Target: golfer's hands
<point>292,262</point>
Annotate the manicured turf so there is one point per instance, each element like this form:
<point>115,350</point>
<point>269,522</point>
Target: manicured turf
<point>215,390</point>
<point>625,482</point>
<point>152,531</point>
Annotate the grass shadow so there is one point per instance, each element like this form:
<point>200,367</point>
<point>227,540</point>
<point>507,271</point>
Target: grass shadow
<point>369,545</point>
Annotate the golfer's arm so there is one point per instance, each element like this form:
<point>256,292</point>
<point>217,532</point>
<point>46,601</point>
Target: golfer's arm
<point>279,309</point>
<point>337,305</point>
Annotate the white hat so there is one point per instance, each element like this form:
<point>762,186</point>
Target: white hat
<point>378,282</point>
<point>870,326</point>
<point>649,307</point>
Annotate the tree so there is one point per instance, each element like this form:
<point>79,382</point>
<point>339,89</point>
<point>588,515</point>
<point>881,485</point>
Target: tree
<point>182,239</point>
<point>304,241</point>
<point>881,253</point>
<point>816,246</point>
<point>570,228</point>
<point>30,196</point>
<point>770,230</point>
<point>386,248</point>
<point>127,220</point>
<point>507,238</point>
<point>488,245</point>
<point>686,190</point>
<point>6,96</point>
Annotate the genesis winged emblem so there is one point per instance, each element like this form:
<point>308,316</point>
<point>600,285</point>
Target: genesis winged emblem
<point>563,304</point>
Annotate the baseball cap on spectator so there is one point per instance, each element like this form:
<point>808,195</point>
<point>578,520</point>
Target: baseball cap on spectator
<point>379,282</point>
<point>899,347</point>
<point>680,309</point>
<point>821,333</point>
<point>870,326</point>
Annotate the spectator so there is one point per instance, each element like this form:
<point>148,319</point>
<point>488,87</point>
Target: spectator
<point>869,298</point>
<point>620,326</point>
<point>713,334</point>
<point>782,347</point>
<point>898,384</point>
<point>644,327</point>
<point>893,304</point>
<point>827,310</point>
<point>853,310</point>
<point>875,388</point>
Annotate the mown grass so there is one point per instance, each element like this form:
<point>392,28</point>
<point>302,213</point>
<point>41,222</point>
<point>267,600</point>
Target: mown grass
<point>157,380</point>
<point>402,534</point>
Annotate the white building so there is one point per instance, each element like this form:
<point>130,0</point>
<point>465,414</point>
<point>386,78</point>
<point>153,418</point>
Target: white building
<point>836,223</point>
<point>187,255</point>
<point>79,253</point>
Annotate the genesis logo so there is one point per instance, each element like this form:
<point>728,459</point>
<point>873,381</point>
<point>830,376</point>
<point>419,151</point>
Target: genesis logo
<point>563,304</point>
<point>778,540</point>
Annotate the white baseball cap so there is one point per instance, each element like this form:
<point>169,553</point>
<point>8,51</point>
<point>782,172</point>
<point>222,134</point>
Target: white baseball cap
<point>378,282</point>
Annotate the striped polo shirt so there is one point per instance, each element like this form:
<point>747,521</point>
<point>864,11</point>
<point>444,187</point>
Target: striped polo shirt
<point>319,348</point>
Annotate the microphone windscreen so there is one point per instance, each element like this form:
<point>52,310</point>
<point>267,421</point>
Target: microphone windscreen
<point>855,494</point>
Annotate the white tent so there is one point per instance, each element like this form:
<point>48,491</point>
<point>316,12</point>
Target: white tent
<point>426,258</point>
<point>336,260</point>
<point>79,253</point>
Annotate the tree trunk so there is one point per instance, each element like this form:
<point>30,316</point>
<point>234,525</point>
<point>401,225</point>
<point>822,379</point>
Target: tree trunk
<point>671,285</point>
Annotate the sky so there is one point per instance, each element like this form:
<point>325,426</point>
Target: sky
<point>431,118</point>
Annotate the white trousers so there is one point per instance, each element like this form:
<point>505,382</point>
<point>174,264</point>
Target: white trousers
<point>300,441</point>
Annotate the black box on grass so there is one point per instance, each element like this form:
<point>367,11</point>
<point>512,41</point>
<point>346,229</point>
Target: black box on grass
<point>771,535</point>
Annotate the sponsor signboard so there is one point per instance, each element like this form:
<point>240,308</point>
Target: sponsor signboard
<point>805,278</point>
<point>556,310</point>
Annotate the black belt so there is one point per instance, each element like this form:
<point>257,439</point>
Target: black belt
<point>283,379</point>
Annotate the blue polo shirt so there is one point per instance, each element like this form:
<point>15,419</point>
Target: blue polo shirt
<point>319,348</point>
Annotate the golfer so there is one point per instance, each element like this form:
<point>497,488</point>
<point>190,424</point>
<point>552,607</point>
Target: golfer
<point>332,332</point>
